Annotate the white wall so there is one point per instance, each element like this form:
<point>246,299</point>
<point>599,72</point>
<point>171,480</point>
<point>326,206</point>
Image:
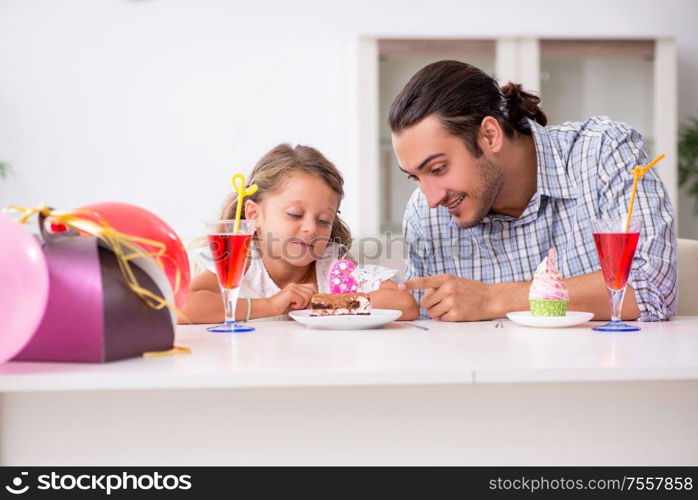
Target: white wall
<point>159,102</point>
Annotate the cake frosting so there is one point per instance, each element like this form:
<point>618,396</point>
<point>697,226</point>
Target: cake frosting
<point>547,282</point>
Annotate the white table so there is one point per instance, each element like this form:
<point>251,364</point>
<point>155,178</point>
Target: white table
<point>461,393</point>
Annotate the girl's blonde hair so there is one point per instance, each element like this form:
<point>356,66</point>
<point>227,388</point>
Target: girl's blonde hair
<point>275,168</point>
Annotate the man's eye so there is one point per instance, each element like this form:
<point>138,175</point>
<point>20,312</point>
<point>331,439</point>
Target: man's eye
<point>295,216</point>
<point>412,177</point>
<point>438,170</point>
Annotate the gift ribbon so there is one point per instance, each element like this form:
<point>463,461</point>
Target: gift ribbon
<point>168,352</point>
<point>124,246</point>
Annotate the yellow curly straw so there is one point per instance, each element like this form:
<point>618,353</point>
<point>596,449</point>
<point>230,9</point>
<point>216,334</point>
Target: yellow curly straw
<point>239,186</point>
<point>638,172</point>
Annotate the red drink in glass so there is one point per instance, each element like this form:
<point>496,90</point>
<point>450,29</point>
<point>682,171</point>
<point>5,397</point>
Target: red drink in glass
<point>229,242</point>
<point>616,252</point>
<point>616,241</point>
<point>229,253</point>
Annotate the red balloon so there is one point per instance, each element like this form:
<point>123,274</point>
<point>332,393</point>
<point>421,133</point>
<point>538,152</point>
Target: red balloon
<point>137,221</point>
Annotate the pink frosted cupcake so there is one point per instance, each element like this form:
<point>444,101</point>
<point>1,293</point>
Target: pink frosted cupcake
<point>548,295</point>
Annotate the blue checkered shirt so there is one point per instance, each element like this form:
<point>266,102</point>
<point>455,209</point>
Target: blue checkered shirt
<point>583,173</point>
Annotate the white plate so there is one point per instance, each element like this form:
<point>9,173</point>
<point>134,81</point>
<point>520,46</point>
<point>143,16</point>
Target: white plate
<point>572,318</point>
<point>376,319</point>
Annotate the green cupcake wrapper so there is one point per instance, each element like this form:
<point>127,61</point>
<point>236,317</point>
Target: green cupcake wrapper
<point>548,307</point>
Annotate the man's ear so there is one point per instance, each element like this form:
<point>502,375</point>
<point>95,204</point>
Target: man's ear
<point>251,210</point>
<point>491,136</point>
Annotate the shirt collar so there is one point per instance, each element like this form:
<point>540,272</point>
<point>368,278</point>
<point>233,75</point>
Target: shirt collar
<point>553,180</point>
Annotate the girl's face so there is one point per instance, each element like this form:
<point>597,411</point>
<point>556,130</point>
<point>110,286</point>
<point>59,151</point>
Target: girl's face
<point>295,222</point>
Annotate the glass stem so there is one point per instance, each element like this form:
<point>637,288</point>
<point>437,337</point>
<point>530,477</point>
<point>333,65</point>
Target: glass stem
<point>616,303</point>
<point>230,302</point>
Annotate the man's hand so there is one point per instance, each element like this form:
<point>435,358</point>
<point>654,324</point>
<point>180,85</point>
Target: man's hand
<point>449,298</point>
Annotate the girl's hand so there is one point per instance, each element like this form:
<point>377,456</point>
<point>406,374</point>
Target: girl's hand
<point>293,296</point>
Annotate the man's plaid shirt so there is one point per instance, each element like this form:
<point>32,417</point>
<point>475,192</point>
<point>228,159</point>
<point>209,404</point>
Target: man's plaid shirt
<point>583,173</point>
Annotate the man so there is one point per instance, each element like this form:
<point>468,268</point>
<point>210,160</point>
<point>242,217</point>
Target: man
<point>497,189</point>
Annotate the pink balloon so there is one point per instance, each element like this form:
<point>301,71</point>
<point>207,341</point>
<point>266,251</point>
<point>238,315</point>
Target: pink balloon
<point>23,287</point>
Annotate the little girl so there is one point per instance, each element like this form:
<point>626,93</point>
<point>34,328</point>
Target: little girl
<point>298,237</point>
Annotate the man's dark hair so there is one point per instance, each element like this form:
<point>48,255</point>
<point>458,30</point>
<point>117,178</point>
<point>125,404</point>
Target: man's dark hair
<point>461,95</point>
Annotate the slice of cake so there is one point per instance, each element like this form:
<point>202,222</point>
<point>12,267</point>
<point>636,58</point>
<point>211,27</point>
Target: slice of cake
<point>331,304</point>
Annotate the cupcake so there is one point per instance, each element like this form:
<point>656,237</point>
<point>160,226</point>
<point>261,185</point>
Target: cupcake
<point>548,294</point>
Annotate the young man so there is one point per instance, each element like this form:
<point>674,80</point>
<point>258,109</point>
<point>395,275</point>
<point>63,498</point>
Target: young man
<point>497,189</point>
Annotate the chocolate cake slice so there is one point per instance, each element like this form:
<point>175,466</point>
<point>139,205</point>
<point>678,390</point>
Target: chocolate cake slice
<point>328,304</point>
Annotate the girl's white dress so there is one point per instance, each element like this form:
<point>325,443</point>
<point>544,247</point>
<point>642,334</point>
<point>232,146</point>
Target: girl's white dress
<point>257,284</point>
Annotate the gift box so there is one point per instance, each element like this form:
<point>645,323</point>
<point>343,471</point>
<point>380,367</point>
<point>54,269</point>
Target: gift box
<point>92,314</point>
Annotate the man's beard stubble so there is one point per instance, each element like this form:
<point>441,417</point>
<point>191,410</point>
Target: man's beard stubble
<point>492,180</point>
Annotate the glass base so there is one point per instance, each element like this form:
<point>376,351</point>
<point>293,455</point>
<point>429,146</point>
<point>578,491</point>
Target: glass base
<point>616,326</point>
<point>232,327</point>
